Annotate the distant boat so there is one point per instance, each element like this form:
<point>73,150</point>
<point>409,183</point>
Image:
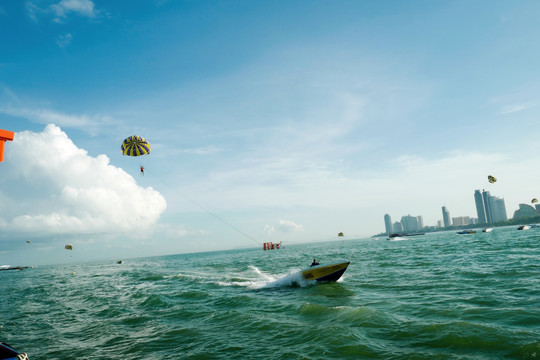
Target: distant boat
<point>405,234</point>
<point>325,272</point>
<point>464,232</point>
<point>524,227</point>
<point>487,229</point>
<point>7,267</point>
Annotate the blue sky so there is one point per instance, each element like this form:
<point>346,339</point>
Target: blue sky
<point>281,120</point>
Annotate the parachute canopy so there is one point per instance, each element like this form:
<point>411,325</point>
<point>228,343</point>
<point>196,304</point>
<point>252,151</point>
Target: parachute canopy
<point>68,247</point>
<point>135,146</point>
<point>340,234</point>
<point>28,241</point>
<point>492,178</point>
<point>535,200</point>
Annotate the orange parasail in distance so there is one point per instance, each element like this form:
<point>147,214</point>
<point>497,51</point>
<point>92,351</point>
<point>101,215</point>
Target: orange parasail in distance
<point>5,136</point>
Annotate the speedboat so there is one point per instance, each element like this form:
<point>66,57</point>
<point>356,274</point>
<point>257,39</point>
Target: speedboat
<point>467,232</point>
<point>325,272</point>
<point>524,227</point>
<point>9,353</point>
<point>487,229</point>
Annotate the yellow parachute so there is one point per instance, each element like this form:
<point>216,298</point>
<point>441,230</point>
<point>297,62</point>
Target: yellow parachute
<point>68,247</point>
<point>492,179</point>
<point>340,234</point>
<point>135,146</point>
<point>535,200</point>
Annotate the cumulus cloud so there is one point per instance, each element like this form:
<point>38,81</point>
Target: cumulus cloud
<point>284,226</point>
<point>80,7</point>
<point>62,9</point>
<point>57,188</point>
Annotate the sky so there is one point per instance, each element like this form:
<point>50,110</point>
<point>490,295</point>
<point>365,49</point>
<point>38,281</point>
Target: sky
<point>269,120</point>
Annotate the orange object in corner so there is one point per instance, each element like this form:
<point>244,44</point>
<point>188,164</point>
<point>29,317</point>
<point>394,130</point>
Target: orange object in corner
<point>5,136</point>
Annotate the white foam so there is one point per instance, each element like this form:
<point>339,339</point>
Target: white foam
<point>255,278</point>
<point>292,279</point>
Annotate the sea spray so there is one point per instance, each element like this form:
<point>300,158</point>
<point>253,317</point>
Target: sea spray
<point>292,279</point>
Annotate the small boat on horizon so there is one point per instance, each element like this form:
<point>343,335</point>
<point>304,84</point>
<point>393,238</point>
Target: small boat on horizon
<point>524,227</point>
<point>464,232</point>
<point>8,267</point>
<point>325,272</point>
<point>405,234</point>
<point>487,229</point>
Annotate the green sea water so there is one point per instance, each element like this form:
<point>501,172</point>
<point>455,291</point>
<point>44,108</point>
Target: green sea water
<point>437,296</point>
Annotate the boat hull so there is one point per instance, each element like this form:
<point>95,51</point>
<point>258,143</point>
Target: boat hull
<point>326,272</point>
<point>9,353</point>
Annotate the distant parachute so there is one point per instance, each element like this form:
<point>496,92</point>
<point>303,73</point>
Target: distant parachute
<point>535,200</point>
<point>68,247</point>
<point>135,146</point>
<point>340,234</point>
<point>28,241</point>
<point>492,179</point>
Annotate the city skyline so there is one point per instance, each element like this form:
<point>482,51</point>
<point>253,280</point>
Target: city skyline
<point>490,209</point>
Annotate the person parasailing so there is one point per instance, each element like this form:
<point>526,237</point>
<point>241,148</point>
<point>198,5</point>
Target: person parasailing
<point>135,146</point>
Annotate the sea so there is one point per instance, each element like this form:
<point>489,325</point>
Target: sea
<point>435,296</point>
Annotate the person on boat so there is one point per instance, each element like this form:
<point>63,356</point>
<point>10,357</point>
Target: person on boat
<point>315,262</point>
<point>142,170</point>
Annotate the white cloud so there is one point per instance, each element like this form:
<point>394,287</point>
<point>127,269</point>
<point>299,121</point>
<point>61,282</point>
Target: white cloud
<point>87,123</point>
<point>32,10</point>
<point>64,40</point>
<point>207,150</point>
<point>58,189</point>
<point>81,7</point>
<point>515,108</point>
<point>62,9</point>
<point>284,226</point>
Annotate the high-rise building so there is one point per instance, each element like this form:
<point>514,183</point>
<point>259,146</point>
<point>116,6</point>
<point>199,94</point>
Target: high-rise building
<point>439,224</point>
<point>487,205</point>
<point>420,222</point>
<point>388,223</point>
<point>480,208</point>
<point>410,223</point>
<point>461,220</point>
<point>525,211</point>
<point>398,227</point>
<point>498,209</point>
<point>490,208</point>
<point>446,216</point>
